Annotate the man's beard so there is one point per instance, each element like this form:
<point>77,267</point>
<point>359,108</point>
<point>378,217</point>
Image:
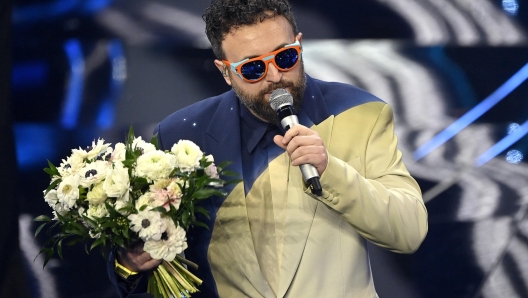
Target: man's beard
<point>257,103</point>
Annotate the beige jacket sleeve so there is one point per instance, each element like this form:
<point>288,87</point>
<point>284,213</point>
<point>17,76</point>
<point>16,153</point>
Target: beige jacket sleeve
<point>366,181</point>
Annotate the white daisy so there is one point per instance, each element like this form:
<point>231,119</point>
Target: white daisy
<point>172,242</point>
<point>93,173</point>
<point>141,145</point>
<point>118,153</point>
<point>92,152</point>
<point>148,224</point>
<point>71,165</point>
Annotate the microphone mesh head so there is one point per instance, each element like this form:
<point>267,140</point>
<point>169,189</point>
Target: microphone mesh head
<point>280,97</point>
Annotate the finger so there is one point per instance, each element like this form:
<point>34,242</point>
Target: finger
<point>302,152</point>
<point>303,141</point>
<point>297,130</point>
<point>150,264</point>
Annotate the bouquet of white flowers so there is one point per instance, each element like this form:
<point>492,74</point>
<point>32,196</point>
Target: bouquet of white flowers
<point>133,192</point>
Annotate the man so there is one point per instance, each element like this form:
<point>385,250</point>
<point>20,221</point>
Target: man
<point>271,237</point>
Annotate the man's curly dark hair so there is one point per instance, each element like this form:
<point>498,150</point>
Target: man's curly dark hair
<point>223,16</point>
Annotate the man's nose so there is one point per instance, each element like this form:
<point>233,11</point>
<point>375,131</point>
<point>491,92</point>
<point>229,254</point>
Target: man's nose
<point>274,75</point>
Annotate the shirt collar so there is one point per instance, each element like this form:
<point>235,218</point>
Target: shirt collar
<point>253,129</point>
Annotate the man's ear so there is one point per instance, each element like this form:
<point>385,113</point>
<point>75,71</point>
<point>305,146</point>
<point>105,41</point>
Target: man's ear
<point>224,70</point>
<point>299,37</point>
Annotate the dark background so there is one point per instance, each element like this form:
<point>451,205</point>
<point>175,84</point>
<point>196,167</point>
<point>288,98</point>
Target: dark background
<point>72,71</point>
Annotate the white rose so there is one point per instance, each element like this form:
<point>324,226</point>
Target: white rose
<point>188,155</point>
<point>155,165</point>
<point>68,191</point>
<point>117,181</point>
<point>97,195</point>
<point>144,200</point>
<point>51,198</point>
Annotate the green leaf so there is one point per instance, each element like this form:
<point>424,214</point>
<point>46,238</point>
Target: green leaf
<point>204,193</point>
<point>229,173</point>
<point>59,248</point>
<point>52,185</point>
<point>160,209</point>
<point>202,211</point>
<point>42,218</point>
<point>130,137</point>
<point>233,181</point>
<point>97,242</point>
<point>223,165</point>
<point>52,170</point>
<point>40,228</point>
<point>119,242</point>
<point>154,140</point>
<point>74,241</point>
<point>201,224</point>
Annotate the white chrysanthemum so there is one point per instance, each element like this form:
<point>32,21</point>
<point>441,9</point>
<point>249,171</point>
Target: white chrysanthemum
<point>71,165</point>
<point>188,155</point>
<point>144,147</point>
<point>68,192</point>
<point>148,224</point>
<point>98,211</point>
<point>97,148</point>
<point>165,192</point>
<point>172,242</point>
<point>93,173</point>
<point>117,181</point>
<point>97,195</point>
<point>155,165</point>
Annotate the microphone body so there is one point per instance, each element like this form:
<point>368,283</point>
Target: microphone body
<point>282,102</point>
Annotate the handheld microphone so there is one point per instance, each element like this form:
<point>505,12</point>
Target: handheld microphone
<point>281,101</point>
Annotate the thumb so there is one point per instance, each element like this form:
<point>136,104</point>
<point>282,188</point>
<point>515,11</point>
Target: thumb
<point>278,140</point>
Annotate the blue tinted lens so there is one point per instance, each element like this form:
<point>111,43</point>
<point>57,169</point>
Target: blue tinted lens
<point>253,70</point>
<point>287,58</point>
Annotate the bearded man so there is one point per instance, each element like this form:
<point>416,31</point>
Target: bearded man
<point>271,236</point>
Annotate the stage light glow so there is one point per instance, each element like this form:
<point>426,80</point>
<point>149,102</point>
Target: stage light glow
<point>117,58</point>
<point>468,118</point>
<point>510,6</point>
<point>502,145</point>
<point>514,156</point>
<point>72,102</point>
<point>512,127</point>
